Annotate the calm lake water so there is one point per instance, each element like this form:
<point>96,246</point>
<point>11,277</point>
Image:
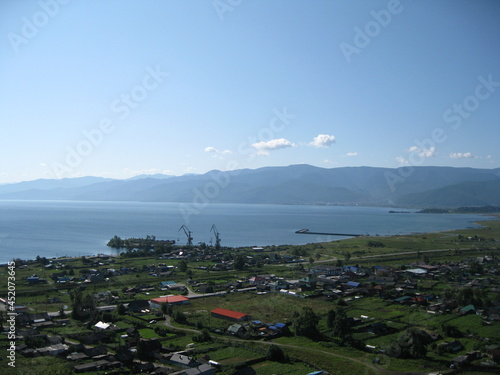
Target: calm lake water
<point>59,228</point>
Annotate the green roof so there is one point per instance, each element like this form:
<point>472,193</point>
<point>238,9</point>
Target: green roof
<point>468,308</point>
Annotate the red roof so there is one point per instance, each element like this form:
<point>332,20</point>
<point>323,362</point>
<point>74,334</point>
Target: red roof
<point>170,299</point>
<point>229,313</point>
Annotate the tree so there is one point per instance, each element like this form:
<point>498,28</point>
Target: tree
<point>166,309</point>
<point>83,306</point>
<point>204,336</point>
<point>340,327</point>
<point>275,353</point>
<point>121,309</point>
<point>147,348</point>
<point>306,322</point>
<point>330,318</point>
<point>179,316</point>
<point>183,266</point>
<point>412,343</point>
<point>239,262</point>
<point>449,330</point>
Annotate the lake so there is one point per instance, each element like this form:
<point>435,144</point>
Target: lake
<point>60,228</point>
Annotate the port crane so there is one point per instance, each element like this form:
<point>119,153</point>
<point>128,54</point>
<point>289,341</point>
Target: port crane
<point>217,236</point>
<point>188,233</point>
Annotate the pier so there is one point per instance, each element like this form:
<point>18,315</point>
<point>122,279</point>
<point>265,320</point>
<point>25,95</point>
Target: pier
<point>307,231</point>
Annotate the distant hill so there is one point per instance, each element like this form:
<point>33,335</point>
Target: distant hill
<point>295,184</point>
<point>469,193</point>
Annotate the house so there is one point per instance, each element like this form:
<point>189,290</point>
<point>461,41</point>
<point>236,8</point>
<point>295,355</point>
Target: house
<point>352,284</point>
<point>350,269</point>
<point>461,361</point>
<point>97,351</point>
<point>97,365</point>
<point>33,279</point>
<point>204,369</point>
<point>183,360</point>
<point>229,315</point>
<point>494,351</point>
<point>143,367</point>
<point>138,306</point>
<point>132,332</point>
<point>453,346</point>
<point>236,330</point>
<point>469,309</point>
<point>77,356</point>
<point>53,349</point>
<point>403,300</point>
<point>306,283</point>
<point>166,284</point>
<point>326,270</point>
<point>102,325</point>
<point>257,280</point>
<point>416,272</point>
<point>155,303</point>
<point>278,285</point>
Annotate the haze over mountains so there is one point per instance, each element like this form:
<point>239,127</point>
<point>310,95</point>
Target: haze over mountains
<point>295,184</point>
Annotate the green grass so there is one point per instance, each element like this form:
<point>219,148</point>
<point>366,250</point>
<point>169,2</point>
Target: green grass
<point>147,333</point>
<point>276,368</point>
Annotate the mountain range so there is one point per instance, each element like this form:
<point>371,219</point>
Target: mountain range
<point>294,184</point>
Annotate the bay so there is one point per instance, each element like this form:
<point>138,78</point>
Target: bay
<point>74,228</point>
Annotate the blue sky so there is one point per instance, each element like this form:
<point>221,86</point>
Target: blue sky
<point>120,88</point>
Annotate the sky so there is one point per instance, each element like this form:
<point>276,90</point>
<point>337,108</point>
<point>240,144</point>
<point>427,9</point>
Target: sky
<point>122,88</point>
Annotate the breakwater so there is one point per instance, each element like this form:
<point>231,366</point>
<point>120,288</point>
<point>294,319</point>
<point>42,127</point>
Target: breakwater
<point>307,231</point>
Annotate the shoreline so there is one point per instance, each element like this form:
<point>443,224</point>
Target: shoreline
<point>480,223</point>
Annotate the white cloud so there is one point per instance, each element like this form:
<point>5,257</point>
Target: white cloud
<point>323,140</point>
<point>402,161</point>
<point>352,154</point>
<point>461,155</point>
<point>210,149</point>
<point>217,153</point>
<point>331,162</point>
<point>263,148</point>
<point>423,152</point>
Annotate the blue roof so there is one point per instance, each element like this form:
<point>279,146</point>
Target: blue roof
<point>280,325</point>
<point>316,373</point>
<point>257,322</point>
<point>351,268</point>
<point>353,283</point>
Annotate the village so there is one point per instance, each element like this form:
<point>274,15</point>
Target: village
<point>195,310</point>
